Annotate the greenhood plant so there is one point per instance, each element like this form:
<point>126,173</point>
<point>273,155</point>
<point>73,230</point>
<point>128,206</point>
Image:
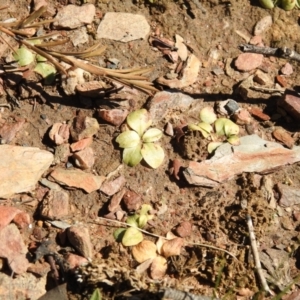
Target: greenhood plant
<point>140,143</point>
<point>285,4</point>
<point>132,236</point>
<point>216,129</point>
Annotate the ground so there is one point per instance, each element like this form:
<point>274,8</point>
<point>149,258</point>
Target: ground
<point>217,215</point>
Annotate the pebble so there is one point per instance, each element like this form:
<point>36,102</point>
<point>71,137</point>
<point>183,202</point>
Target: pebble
<point>184,229</point>
<point>231,106</point>
<point>21,168</point>
<point>248,61</point>
<point>242,117</point>
<point>78,179</point>
<point>114,116</point>
<point>111,187</point>
<point>262,78</point>
<point>82,144</point>
<point>84,159</point>
<point>281,80</point>
<point>289,196</point>
<point>79,36</point>
<point>257,113</point>
<point>73,16</point>
<point>59,133</point>
<point>263,25</point>
<point>287,69</point>
<point>252,155</point>
<point>283,136</point>
<point>61,154</point>
<point>114,203</point>
<point>290,102</point>
<point>123,27</point>
<point>9,214</point>
<point>132,200</point>
<point>79,238</point>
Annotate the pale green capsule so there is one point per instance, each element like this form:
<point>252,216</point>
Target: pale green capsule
<point>288,4</point>
<point>269,4</point>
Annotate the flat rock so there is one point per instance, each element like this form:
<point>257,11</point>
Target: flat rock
<point>21,168</point>
<point>73,16</point>
<point>12,248</point>
<point>78,179</point>
<point>163,104</point>
<point>263,25</point>
<point>79,237</point>
<point>290,102</point>
<point>284,137</point>
<point>25,286</point>
<point>111,187</point>
<point>9,213</point>
<point>123,27</point>
<point>82,144</point>
<point>287,69</point>
<point>248,61</point>
<point>84,159</point>
<point>289,196</point>
<point>252,155</point>
<point>74,261</point>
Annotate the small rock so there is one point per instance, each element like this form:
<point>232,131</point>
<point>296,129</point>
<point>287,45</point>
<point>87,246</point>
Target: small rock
<point>7,214</point>
<point>21,168</point>
<point>93,88</point>
<point>263,25</point>
<point>9,130</point>
<point>115,201</point>
<point>79,237</point>
<point>55,205</point>
<point>13,249</point>
<point>242,117</point>
<point>62,153</point>
<point>262,78</point>
<point>189,74</point>
<point>79,36</point>
<point>244,87</point>
<point>287,69</point>
<point>113,116</point>
<point>182,49</point>
<point>82,144</point>
<point>132,200</point>
<point>257,113</point>
<point>73,16</point>
<point>290,102</point>
<point>252,155</point>
<point>296,215</point>
<point>231,106</point>
<point>59,133</point>
<point>169,129</point>
<point>111,187</point>
<point>281,80</point>
<point>283,136</point>
<point>22,220</point>
<point>77,178</point>
<point>123,27</point>
<point>184,229</point>
<point>74,261</point>
<point>83,127</point>
<point>248,61</point>
<point>163,104</point>
<point>256,40</point>
<point>26,286</point>
<point>39,269</point>
<point>85,158</point>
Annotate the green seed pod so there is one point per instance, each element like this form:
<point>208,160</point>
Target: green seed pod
<point>288,4</point>
<point>269,4</point>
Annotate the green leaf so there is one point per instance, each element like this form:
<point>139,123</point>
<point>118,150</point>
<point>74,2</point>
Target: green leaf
<point>119,233</point>
<point>142,221</point>
<point>40,58</point>
<point>234,140</point>
<point>206,127</point>
<point>132,237</point>
<point>211,147</point>
<point>145,208</point>
<point>47,71</point>
<point>219,126</point>
<point>24,56</point>
<point>153,154</point>
<point>139,121</point>
<point>128,139</point>
<point>230,128</point>
<point>152,135</point>
<point>96,295</point>
<point>195,127</point>
<point>207,115</point>
<point>133,220</point>
<point>132,156</point>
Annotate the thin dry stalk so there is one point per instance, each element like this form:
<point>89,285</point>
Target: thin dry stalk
<point>180,295</point>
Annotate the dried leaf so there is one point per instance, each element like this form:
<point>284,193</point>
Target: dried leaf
<point>144,251</point>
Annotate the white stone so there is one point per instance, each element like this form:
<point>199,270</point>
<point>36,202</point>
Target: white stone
<point>123,27</point>
<point>21,168</point>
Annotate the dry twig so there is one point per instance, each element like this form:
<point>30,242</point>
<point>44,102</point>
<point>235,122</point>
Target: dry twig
<point>179,295</point>
<point>256,256</point>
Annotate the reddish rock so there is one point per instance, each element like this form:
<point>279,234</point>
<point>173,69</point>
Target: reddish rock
<point>288,195</point>
<point>256,40</point>
<point>55,205</point>
<point>79,237</point>
<point>84,159</point>
<point>257,113</point>
<point>82,144</point>
<point>13,249</point>
<point>77,178</point>
<point>283,136</point>
<point>242,117</point>
<point>59,133</point>
<point>115,201</point>
<point>113,116</point>
<point>132,200</point>
<point>290,102</point>
<point>22,220</point>
<point>74,261</point>
<point>8,214</point>
<point>184,229</point>
<point>296,215</point>
<point>111,187</point>
<point>9,130</point>
<point>248,61</point>
<point>252,155</point>
<point>281,80</point>
<point>39,269</point>
<point>287,69</point>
